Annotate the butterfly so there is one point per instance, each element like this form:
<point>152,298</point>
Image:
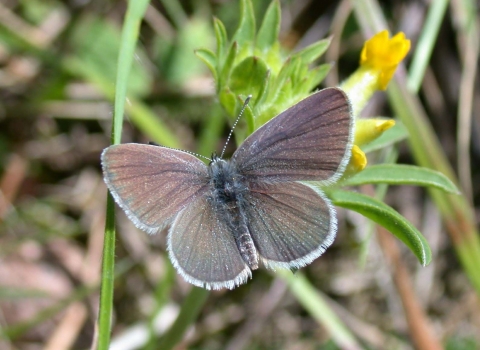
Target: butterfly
<point>262,206</point>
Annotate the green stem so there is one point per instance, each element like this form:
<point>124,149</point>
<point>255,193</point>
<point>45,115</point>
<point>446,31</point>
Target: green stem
<point>426,42</point>
<point>108,268</point>
<point>135,11</point>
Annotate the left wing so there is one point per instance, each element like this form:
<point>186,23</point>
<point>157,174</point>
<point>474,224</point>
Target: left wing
<point>152,184</point>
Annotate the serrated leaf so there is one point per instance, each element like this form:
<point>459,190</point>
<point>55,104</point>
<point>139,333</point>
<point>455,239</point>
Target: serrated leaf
<point>222,39</point>
<point>387,217</point>
<point>245,34</point>
<point>313,51</point>
<point>268,32</point>
<point>209,58</point>
<point>395,134</point>
<point>248,76</point>
<point>401,174</point>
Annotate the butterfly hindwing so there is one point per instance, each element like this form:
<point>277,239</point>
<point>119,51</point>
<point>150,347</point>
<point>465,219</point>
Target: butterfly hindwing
<point>203,249</point>
<point>291,223</point>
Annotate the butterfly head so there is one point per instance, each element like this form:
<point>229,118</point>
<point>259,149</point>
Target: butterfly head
<point>214,158</point>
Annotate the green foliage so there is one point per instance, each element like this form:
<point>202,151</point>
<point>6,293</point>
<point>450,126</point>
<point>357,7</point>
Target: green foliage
<point>400,174</point>
<point>133,18</point>
<point>251,63</point>
<point>96,43</point>
<point>459,343</point>
<point>180,64</point>
<point>387,217</point>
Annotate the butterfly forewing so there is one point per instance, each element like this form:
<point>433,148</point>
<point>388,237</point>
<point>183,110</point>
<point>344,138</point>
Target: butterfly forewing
<point>291,223</point>
<point>152,184</point>
<point>310,141</point>
<point>203,249</point>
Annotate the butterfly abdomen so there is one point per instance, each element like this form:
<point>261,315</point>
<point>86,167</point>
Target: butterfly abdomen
<point>228,198</point>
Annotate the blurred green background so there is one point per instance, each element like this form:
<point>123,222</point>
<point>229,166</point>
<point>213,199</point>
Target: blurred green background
<point>57,82</point>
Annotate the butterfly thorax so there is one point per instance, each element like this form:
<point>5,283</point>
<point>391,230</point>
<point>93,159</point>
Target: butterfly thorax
<point>228,198</point>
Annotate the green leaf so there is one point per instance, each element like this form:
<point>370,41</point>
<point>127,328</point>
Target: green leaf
<point>313,51</point>
<point>250,119</point>
<point>228,101</point>
<point>248,76</point>
<point>316,76</point>
<point>263,91</point>
<point>387,217</point>
<point>227,66</point>
<point>284,77</point>
<point>126,53</point>
<point>395,134</point>
<point>273,57</point>
<point>222,39</point>
<point>96,43</point>
<point>209,58</point>
<point>268,32</point>
<point>245,34</point>
<point>401,174</point>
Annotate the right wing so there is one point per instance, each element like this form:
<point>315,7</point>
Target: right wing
<point>310,141</point>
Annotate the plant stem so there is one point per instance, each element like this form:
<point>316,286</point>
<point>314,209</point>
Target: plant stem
<point>135,11</point>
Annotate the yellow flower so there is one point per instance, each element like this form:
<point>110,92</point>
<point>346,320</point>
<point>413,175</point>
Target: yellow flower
<point>358,161</point>
<point>384,54</point>
<point>367,130</point>
<point>379,58</point>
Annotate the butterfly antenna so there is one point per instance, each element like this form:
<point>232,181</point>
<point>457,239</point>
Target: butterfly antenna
<point>177,149</point>
<point>235,124</point>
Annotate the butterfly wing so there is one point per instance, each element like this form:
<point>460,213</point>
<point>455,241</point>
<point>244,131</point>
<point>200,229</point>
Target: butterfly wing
<point>310,141</point>
<point>291,223</point>
<point>203,249</point>
<point>151,183</point>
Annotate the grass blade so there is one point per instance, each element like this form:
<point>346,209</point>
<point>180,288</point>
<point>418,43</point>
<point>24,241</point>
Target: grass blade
<point>133,17</point>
